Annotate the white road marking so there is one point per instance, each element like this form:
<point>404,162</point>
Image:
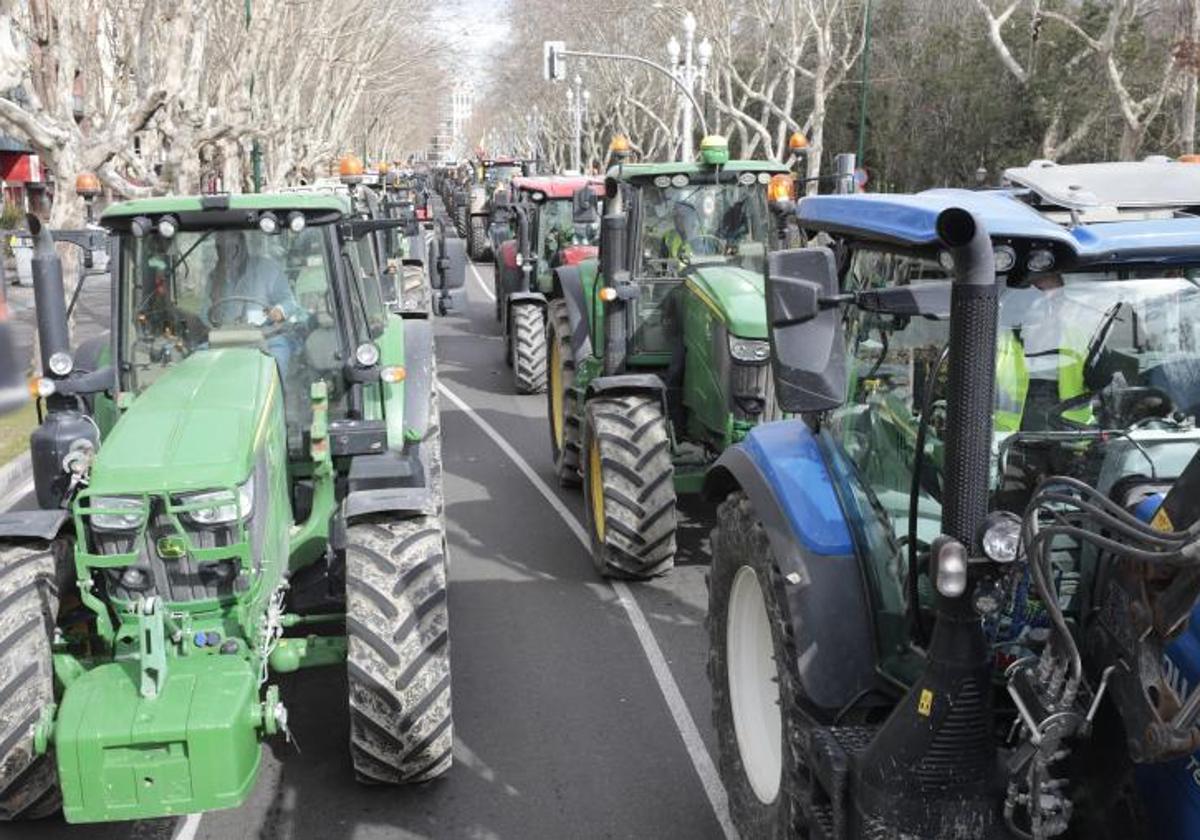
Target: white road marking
<point>692,741</point>
<point>188,828</point>
<point>16,494</point>
<point>491,295</point>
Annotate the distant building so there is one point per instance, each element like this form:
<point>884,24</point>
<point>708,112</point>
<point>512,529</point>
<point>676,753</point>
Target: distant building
<point>23,178</point>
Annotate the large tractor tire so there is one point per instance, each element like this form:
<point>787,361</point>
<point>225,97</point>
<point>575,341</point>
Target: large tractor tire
<point>628,485</point>
<point>28,610</point>
<point>398,662</point>
<point>477,238</point>
<point>560,395</point>
<point>752,668</point>
<point>527,343</point>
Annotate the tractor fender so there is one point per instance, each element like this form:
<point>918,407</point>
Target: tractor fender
<point>514,298</point>
<point>567,279</point>
<point>23,524</point>
<point>629,383</point>
<point>393,482</point>
<point>418,375</point>
<point>780,468</point>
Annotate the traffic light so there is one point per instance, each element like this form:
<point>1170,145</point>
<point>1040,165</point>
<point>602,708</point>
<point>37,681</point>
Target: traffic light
<point>554,65</point>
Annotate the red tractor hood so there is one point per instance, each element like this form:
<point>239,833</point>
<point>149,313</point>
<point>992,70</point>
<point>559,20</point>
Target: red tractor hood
<point>575,254</point>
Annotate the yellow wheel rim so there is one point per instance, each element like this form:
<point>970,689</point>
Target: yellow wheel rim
<point>556,394</point>
<point>596,482</point>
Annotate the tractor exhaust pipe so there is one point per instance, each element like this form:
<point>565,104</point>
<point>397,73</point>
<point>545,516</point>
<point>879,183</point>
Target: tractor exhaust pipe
<point>49,295</point>
<point>929,770</point>
<point>612,271</point>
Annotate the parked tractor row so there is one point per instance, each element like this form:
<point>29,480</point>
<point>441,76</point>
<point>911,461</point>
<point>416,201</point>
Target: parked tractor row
<point>951,438</point>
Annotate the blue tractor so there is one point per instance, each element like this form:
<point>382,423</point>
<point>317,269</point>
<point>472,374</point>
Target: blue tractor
<point>954,598</point>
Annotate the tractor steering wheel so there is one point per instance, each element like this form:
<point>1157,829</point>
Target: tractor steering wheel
<point>706,245</point>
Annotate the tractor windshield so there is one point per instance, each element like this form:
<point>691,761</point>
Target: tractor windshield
<point>558,228</point>
<point>500,173</point>
<point>206,289</point>
<point>1094,370</point>
<point>689,221</point>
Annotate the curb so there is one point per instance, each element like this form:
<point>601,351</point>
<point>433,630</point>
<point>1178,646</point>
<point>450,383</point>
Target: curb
<point>14,480</point>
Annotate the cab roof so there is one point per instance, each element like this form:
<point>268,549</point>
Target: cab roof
<point>629,171</point>
<point>559,186</point>
<point>310,202</point>
<point>1152,223</point>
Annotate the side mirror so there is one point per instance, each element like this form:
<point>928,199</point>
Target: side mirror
<point>808,348</point>
<point>584,206</point>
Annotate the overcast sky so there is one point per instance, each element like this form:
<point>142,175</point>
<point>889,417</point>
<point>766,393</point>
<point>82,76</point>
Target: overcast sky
<point>477,26</point>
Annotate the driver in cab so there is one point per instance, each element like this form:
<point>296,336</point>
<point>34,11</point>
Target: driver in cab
<point>251,290</point>
<point>676,242</point>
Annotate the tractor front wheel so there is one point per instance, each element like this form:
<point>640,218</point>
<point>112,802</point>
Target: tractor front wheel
<point>527,339</point>
<point>752,668</point>
<point>28,610</point>
<point>629,486</point>
<point>477,239</point>
<point>398,661</point>
<point>560,395</point>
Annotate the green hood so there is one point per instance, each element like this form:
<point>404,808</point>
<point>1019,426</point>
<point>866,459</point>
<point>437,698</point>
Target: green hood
<point>196,428</point>
<point>735,294</point>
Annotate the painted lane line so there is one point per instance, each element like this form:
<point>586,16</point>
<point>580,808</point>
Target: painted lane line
<point>491,295</point>
<point>16,494</point>
<point>693,743</point>
<point>188,828</point>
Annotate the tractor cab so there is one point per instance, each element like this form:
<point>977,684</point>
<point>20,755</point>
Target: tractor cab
<point>1000,391</point>
<point>294,277</point>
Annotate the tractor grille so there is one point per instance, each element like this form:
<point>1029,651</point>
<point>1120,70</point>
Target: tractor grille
<point>175,580</point>
<point>750,387</point>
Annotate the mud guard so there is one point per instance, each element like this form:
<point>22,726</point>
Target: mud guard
<point>569,282</point>
<point>780,468</point>
<point>24,524</point>
<point>629,383</point>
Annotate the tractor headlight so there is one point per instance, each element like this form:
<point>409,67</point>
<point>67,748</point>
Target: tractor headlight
<point>949,566</point>
<point>1001,537</point>
<point>61,363</point>
<point>413,281</point>
<point>749,349</point>
<point>124,513</point>
<point>220,507</point>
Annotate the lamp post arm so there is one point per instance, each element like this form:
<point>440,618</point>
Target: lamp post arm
<point>652,65</point>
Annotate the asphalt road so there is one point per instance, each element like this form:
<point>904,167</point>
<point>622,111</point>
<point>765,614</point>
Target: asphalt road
<point>581,709</point>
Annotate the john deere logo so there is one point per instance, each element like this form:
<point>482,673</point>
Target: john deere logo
<point>171,548</point>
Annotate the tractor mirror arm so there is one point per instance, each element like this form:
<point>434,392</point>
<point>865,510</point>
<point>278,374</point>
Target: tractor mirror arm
<point>86,383</point>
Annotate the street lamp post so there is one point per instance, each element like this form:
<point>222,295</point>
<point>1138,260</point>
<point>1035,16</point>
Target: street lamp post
<point>692,69</point>
<point>577,100</point>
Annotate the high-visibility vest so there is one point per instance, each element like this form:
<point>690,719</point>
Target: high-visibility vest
<point>1012,383</point>
<point>676,246</point>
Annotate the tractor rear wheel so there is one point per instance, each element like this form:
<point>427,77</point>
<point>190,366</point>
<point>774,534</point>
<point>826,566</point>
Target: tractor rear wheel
<point>28,610</point>
<point>752,668</point>
<point>560,395</point>
<point>629,486</point>
<point>527,338</point>
<point>477,238</point>
<point>398,661</point>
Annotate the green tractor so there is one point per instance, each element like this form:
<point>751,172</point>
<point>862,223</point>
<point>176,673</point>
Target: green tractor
<point>658,349</point>
<point>242,481</point>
